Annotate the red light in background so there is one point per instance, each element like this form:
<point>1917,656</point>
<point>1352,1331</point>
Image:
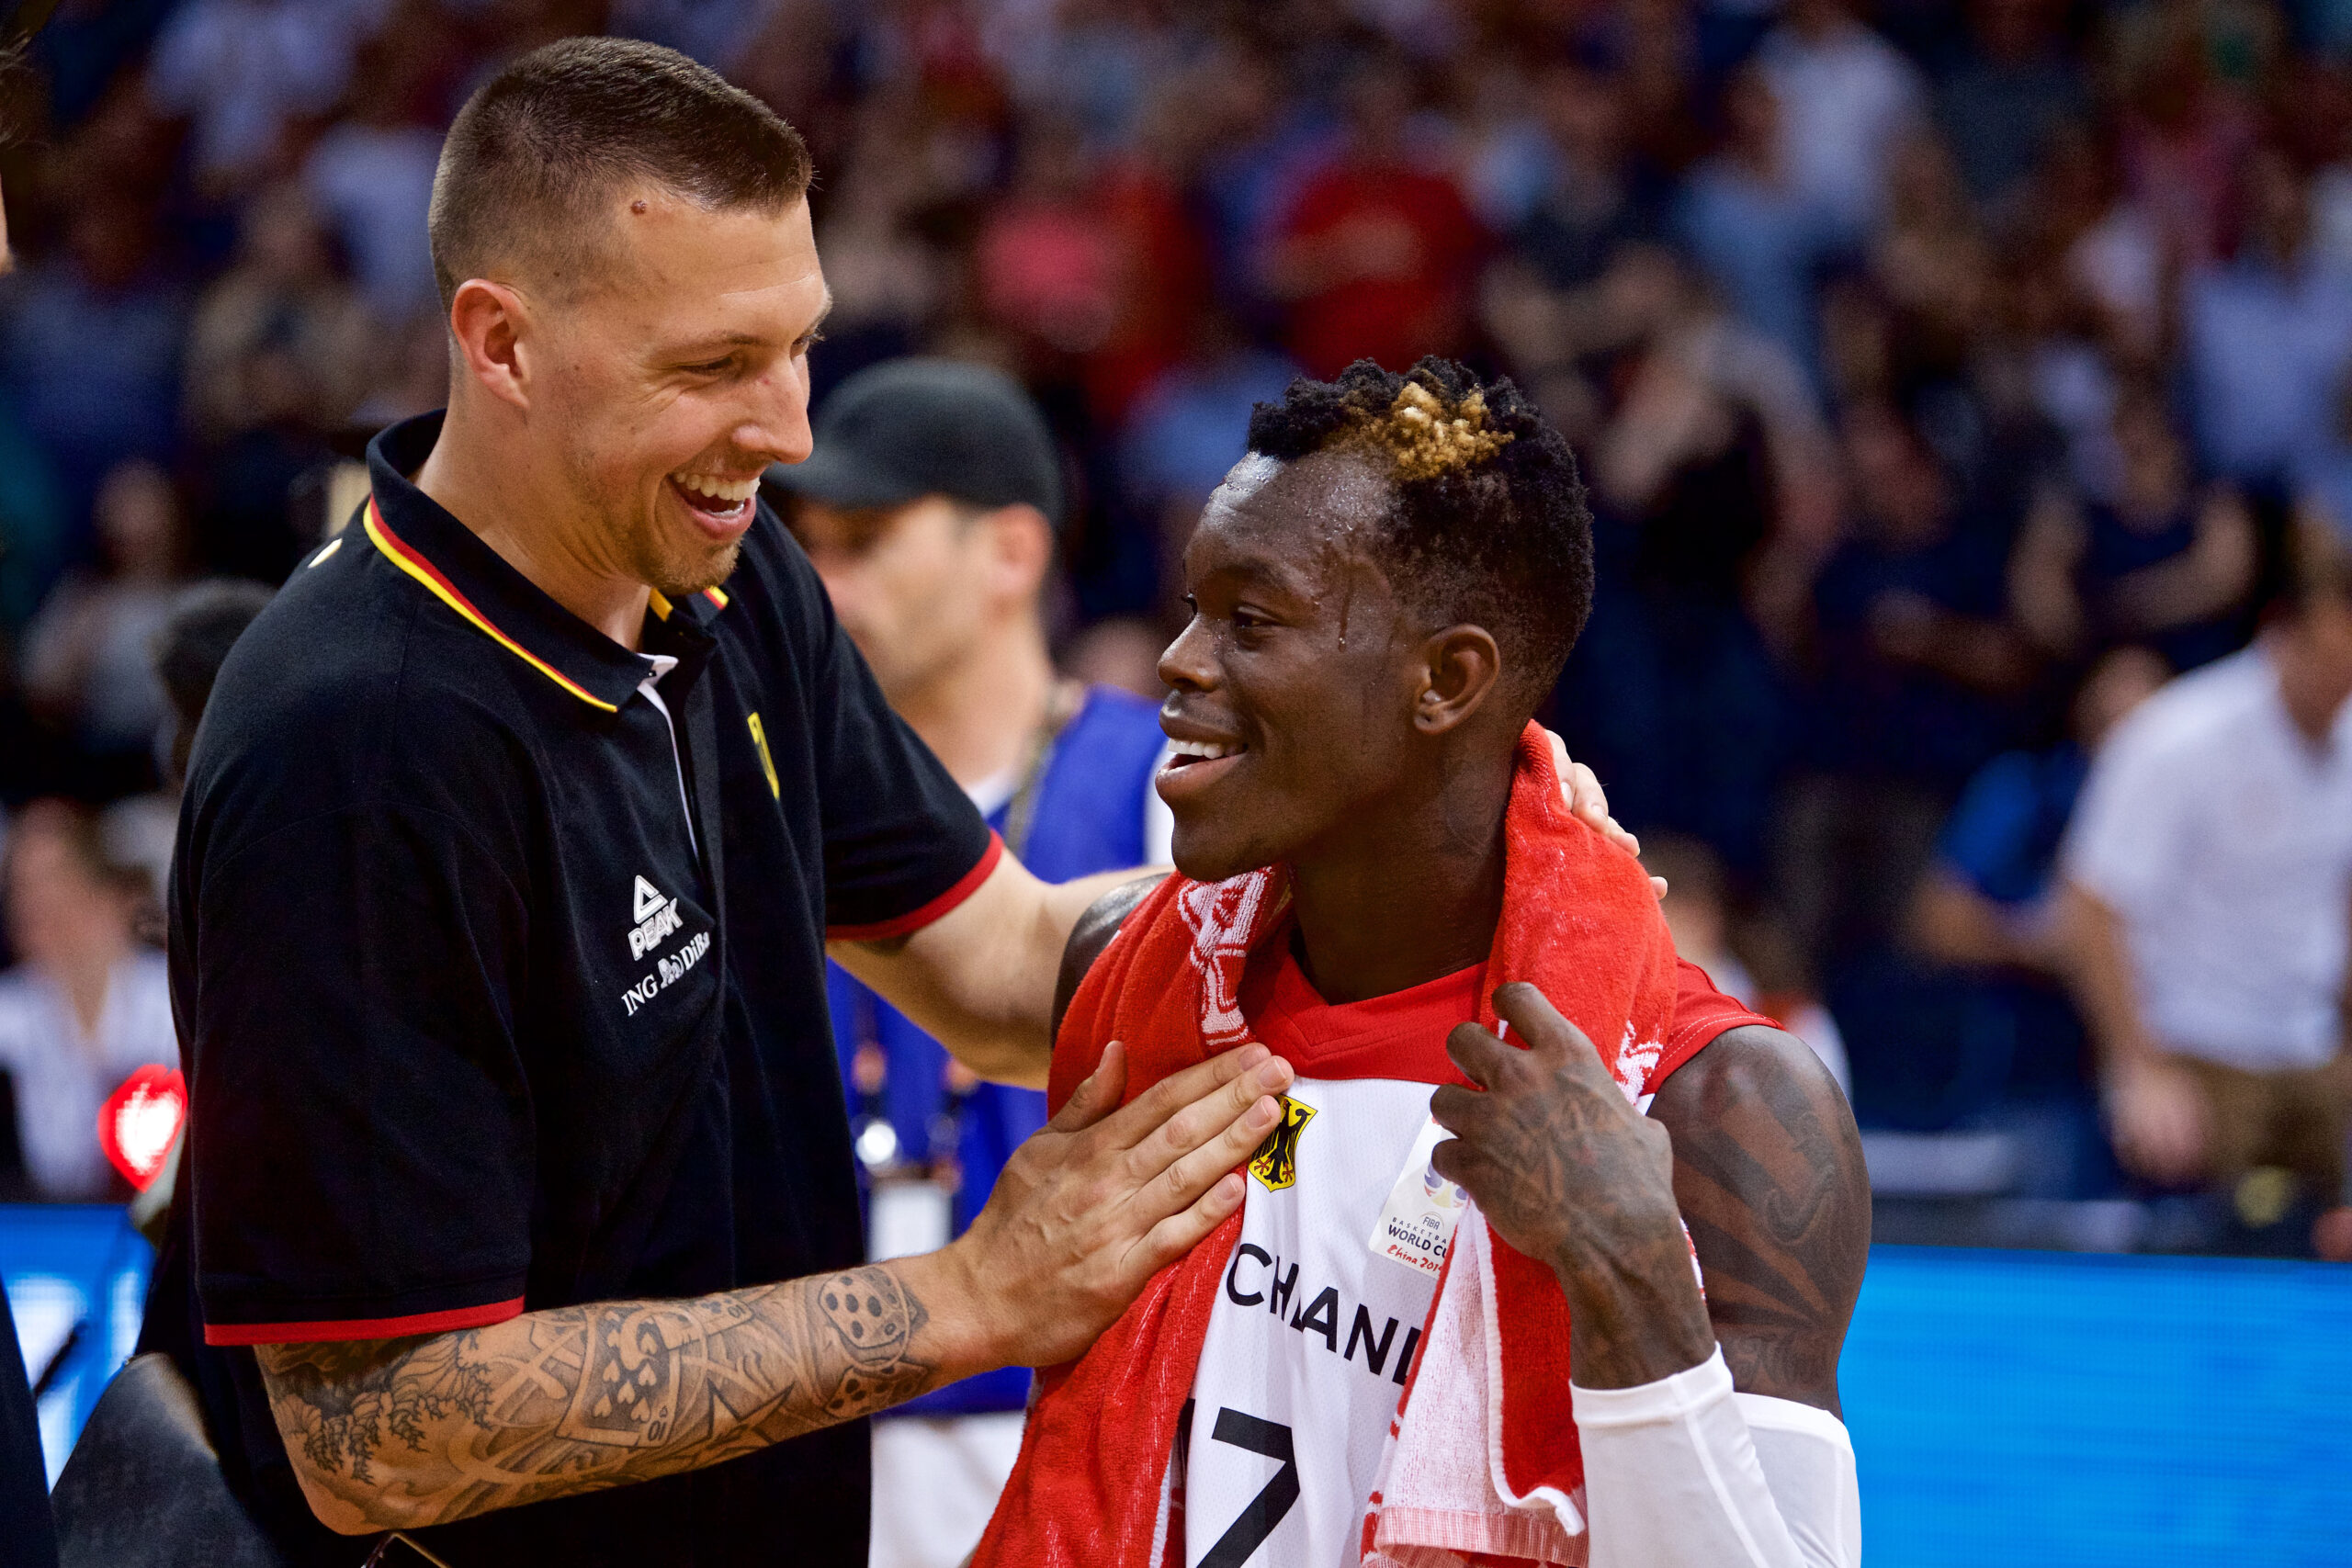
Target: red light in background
<point>140,1120</point>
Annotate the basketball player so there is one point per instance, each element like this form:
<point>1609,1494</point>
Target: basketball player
<point>1382,590</point>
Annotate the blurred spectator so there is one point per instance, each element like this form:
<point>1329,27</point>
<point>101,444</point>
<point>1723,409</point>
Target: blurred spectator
<point>1912,657</point>
<point>1931,262</point>
<point>1095,261</point>
<point>1593,200</point>
<point>1757,231</point>
<point>1988,901</point>
<point>2268,337</point>
<point>2009,93</point>
<point>88,653</point>
<point>1988,907</point>
<point>86,1004</point>
<point>411,375</point>
<point>1186,427</point>
<point>1698,913</point>
<point>2187,128</point>
<point>1046,259</point>
<point>1846,98</point>
<point>1501,157</point>
<point>887,278</point>
<point>2115,261</point>
<point>283,297</point>
<point>2319,129</point>
<point>371,174</point>
<point>1374,256</point>
<point>2322,478</point>
<point>240,69</point>
<point>2163,563</point>
<point>1097,62</point>
<point>1710,461</point>
<point>280,353</point>
<point>92,345</point>
<point>2209,903</point>
<point>1163,275</point>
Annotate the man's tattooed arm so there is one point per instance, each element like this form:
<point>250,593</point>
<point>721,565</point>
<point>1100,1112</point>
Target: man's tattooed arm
<point>1768,1176</point>
<point>1570,1173</point>
<point>396,1434</point>
<point>1750,1141</point>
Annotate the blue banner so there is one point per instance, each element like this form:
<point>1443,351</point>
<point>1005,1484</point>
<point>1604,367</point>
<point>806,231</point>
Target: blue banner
<point>76,1275</point>
<point>2101,1411</point>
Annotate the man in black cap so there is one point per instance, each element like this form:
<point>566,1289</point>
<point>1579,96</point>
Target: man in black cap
<point>930,508</point>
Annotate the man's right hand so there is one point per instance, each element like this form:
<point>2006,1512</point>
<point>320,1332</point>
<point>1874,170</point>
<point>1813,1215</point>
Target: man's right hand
<point>1101,1199</point>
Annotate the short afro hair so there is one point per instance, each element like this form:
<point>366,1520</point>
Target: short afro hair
<point>1490,523</point>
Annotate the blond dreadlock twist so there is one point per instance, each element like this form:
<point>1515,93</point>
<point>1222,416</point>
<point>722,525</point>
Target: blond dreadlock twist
<point>1424,435</point>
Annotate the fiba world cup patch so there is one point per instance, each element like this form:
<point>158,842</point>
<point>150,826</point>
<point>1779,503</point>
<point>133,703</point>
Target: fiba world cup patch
<point>1416,1225</point>
<point>1275,1165</point>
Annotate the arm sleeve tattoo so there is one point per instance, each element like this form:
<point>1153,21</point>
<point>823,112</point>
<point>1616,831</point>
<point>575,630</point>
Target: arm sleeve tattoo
<point>400,1433</point>
<point>1769,1175</point>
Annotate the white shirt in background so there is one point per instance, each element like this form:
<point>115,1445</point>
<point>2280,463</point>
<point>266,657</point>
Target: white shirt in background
<point>2222,837</point>
<point>1847,99</point>
<point>63,1077</point>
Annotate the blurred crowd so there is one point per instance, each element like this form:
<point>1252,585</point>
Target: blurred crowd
<point>1949,374</point>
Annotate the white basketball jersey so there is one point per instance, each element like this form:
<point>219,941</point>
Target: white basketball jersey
<point>1313,1331</point>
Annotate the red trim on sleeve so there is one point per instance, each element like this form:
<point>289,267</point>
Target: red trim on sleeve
<point>333,1329</point>
<point>915,920</point>
<point>1702,1012</point>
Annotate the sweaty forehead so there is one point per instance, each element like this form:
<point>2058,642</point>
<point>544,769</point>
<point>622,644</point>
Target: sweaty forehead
<point>1313,515</point>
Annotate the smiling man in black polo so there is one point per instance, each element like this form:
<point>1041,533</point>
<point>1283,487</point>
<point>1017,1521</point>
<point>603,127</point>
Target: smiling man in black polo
<point>520,1205</point>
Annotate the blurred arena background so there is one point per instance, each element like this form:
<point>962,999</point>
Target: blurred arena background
<point>1950,375</point>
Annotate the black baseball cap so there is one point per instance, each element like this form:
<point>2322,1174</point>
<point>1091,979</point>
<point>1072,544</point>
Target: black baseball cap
<point>907,428</point>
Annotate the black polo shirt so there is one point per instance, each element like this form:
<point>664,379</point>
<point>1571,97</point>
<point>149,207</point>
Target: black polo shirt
<point>471,1027</point>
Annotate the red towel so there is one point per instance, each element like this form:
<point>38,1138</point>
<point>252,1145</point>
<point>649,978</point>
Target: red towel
<point>1578,920</point>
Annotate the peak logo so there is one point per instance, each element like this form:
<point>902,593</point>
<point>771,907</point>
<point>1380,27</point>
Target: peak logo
<point>654,917</point>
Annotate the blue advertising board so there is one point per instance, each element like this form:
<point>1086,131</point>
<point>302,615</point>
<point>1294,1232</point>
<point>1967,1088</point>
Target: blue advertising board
<point>2101,1412</point>
<point>76,1275</point>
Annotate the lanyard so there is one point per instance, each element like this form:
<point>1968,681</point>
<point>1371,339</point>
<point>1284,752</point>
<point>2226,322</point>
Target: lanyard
<point>1062,705</point>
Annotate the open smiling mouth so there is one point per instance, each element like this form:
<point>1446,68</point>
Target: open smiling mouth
<point>1196,763</point>
<point>1184,754</point>
<point>721,505</point>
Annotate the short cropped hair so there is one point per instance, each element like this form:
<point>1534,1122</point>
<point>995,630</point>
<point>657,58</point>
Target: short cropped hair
<point>545,141</point>
<point>1490,523</point>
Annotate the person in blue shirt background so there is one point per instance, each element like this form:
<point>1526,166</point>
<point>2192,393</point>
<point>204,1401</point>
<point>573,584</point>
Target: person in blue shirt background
<point>1985,912</point>
<point>930,508</point>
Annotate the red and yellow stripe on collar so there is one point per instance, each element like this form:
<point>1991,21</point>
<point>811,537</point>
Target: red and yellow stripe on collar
<point>661,605</point>
<point>403,555</point>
